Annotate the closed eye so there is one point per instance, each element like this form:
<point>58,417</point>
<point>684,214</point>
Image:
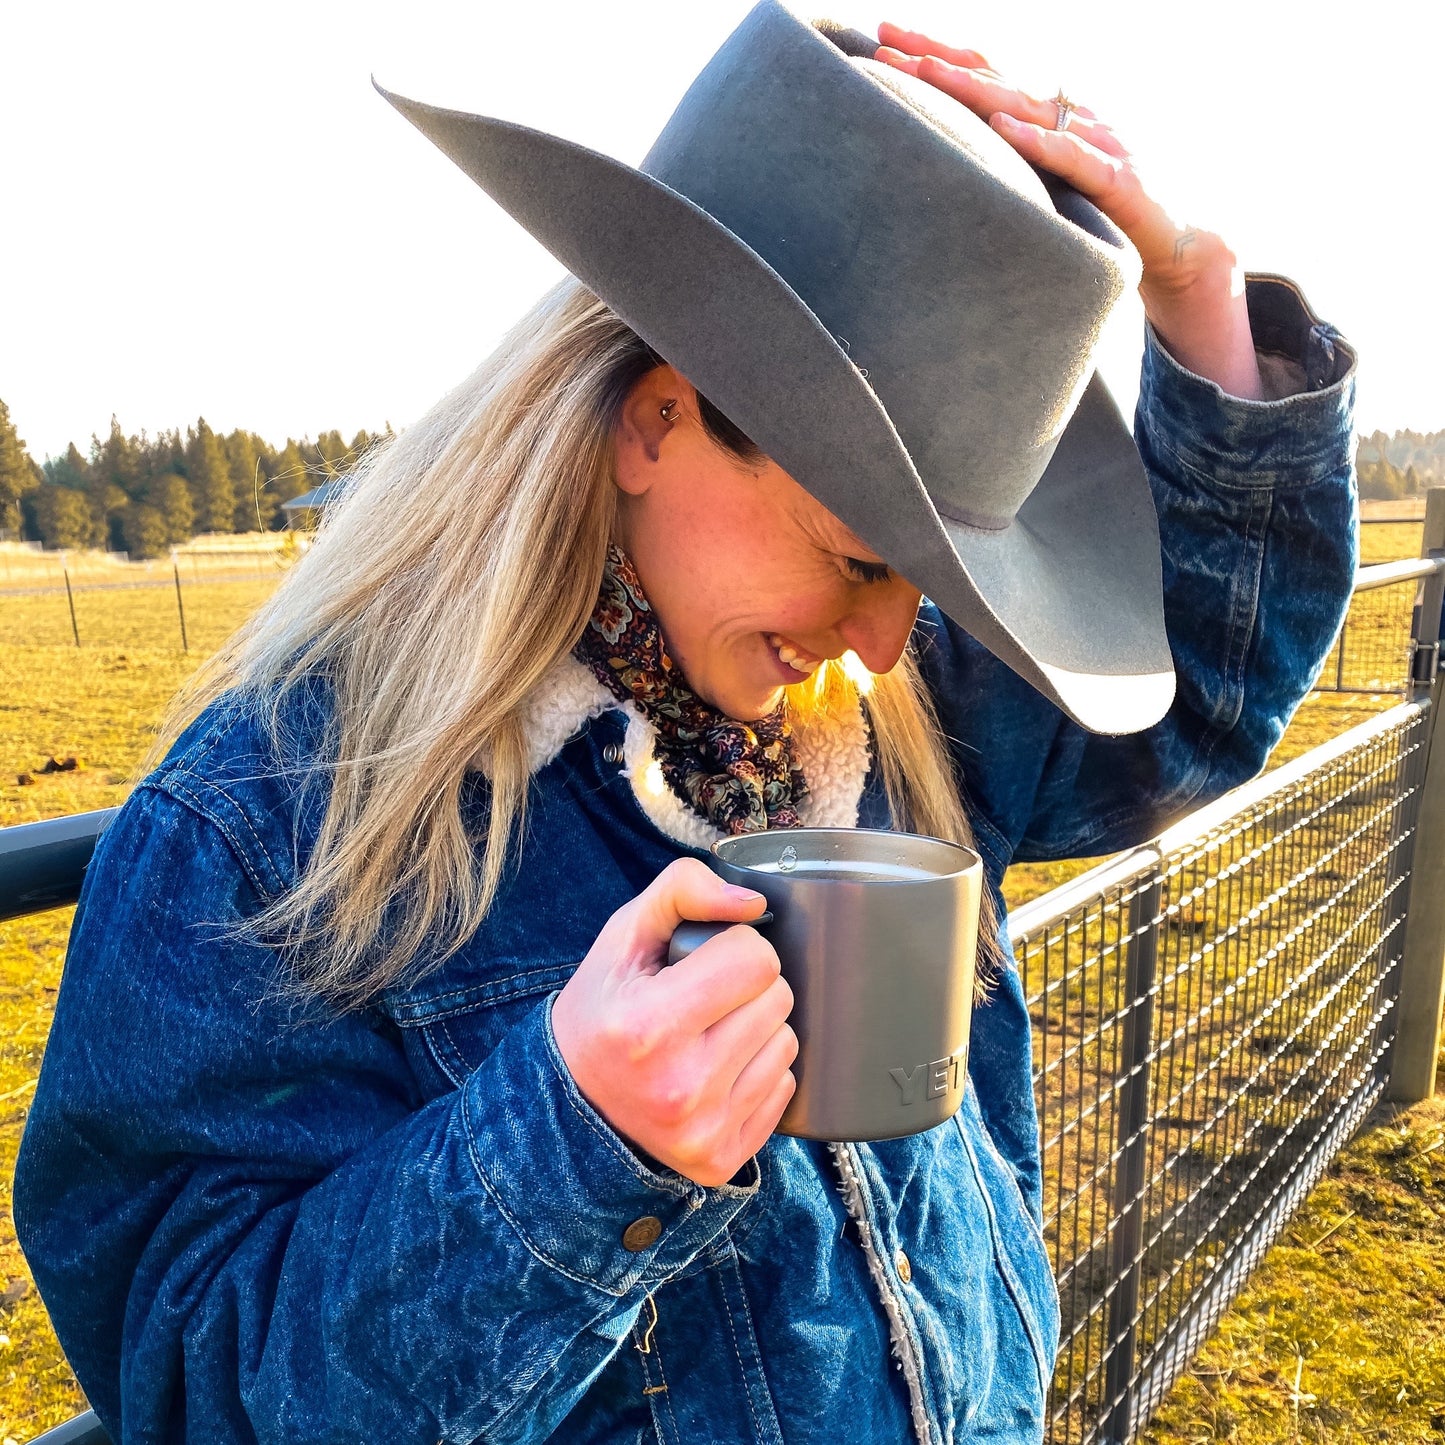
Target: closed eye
<point>867,571</point>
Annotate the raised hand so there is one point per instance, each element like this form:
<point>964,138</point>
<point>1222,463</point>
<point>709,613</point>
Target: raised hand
<point>1192,286</point>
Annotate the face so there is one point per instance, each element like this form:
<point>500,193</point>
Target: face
<point>753,581</point>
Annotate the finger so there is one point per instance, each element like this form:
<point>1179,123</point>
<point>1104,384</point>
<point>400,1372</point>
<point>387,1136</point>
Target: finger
<point>759,1075</point>
<point>899,61</point>
<point>757,1127</point>
<point>986,93</point>
<point>736,1037</point>
<point>687,888</point>
<point>914,42</point>
<point>714,981</point>
<point>1102,178</point>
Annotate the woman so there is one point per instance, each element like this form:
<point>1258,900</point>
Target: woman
<point>368,1111</point>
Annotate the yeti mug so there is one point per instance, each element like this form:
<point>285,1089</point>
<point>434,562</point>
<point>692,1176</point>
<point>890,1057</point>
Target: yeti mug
<point>877,933</point>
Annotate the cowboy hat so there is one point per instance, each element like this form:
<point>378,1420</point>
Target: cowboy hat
<point>902,313</point>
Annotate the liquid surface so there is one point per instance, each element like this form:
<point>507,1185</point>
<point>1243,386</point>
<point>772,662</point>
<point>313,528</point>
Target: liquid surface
<point>844,870</point>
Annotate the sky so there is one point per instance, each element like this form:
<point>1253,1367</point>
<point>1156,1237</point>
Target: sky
<point>208,211</point>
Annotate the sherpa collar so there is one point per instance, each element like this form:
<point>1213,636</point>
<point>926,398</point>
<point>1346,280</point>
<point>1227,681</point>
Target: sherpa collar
<point>833,757</point>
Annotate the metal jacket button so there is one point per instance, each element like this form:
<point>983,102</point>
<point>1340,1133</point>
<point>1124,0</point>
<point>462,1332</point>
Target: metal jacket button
<point>905,1269</point>
<point>641,1233</point>
<point>612,753</point>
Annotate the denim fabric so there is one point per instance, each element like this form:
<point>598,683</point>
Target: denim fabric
<point>406,1223</point>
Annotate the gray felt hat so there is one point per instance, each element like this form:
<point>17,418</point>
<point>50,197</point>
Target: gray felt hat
<point>902,313</point>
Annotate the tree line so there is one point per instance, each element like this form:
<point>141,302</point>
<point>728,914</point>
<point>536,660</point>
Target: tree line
<point>1403,464</point>
<point>142,495</point>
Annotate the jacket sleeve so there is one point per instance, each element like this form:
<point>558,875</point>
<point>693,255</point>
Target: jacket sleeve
<point>247,1224</point>
<point>1258,522</point>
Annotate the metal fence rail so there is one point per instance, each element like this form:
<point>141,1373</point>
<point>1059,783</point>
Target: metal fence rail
<point>1375,651</point>
<point>1213,1015</point>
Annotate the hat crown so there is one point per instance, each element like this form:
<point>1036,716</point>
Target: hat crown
<point>928,247</point>
<point>806,218</point>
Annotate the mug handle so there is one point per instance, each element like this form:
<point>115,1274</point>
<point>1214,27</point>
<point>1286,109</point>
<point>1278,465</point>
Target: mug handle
<point>689,937</point>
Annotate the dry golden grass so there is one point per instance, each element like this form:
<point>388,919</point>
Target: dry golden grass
<point>99,702</point>
<point>1340,1335</point>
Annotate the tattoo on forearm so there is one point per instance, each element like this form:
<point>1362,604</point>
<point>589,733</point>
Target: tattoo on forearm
<point>1180,244</point>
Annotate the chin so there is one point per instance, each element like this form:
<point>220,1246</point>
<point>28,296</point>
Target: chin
<point>744,704</point>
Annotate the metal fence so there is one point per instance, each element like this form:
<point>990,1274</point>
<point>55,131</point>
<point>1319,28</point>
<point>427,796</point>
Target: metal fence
<point>1375,651</point>
<point>1213,1017</point>
<point>1214,1013</point>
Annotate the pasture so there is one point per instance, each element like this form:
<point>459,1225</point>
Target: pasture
<point>1338,1330</point>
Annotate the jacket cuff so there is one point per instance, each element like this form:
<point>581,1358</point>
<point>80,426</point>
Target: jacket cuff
<point>1285,440</point>
<point>567,1182</point>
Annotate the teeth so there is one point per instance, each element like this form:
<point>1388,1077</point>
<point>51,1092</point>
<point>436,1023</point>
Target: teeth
<point>790,655</point>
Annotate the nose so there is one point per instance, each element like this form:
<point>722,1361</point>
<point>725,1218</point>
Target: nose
<point>878,627</point>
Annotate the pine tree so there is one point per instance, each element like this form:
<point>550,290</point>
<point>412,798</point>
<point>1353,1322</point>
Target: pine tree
<point>209,473</point>
<point>72,470</point>
<point>171,497</point>
<point>113,480</point>
<point>243,461</point>
<point>63,516</point>
<point>164,457</point>
<point>292,474</point>
<point>18,474</point>
<point>144,530</point>
<point>334,455</point>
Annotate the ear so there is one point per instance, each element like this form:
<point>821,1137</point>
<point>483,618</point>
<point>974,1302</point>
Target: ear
<point>642,429</point>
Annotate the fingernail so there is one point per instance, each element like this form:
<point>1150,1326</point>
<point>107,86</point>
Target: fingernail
<point>745,895</point>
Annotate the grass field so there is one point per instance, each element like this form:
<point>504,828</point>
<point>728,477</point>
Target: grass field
<point>1345,1314</point>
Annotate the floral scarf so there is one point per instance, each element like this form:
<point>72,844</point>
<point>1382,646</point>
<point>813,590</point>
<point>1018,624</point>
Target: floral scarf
<point>741,777</point>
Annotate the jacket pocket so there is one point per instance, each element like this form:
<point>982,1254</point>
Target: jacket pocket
<point>459,1019</point>
<point>1019,1249</point>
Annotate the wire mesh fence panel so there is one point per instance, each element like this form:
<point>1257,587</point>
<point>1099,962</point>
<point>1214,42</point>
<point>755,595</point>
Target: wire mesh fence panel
<point>1373,651</point>
<point>1210,1026</point>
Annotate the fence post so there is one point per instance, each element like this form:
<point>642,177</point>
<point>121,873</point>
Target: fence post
<point>180,605</point>
<point>1132,1142</point>
<point>1422,971</point>
<point>70,598</point>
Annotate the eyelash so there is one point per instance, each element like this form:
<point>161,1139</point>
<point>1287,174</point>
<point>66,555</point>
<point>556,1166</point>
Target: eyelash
<point>867,571</point>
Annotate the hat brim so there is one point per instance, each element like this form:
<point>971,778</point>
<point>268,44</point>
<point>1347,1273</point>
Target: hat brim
<point>1069,595</point>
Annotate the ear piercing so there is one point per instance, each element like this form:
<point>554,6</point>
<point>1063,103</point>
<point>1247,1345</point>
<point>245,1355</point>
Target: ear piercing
<point>669,411</point>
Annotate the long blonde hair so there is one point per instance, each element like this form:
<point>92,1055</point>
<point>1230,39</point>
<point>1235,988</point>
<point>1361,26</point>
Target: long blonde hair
<point>463,562</point>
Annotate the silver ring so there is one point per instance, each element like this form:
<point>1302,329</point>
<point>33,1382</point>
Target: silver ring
<point>1066,110</point>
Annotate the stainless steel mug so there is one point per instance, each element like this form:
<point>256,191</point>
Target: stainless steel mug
<point>877,933</point>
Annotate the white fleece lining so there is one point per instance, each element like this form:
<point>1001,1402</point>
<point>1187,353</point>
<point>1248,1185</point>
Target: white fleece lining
<point>900,1341</point>
<point>567,696</point>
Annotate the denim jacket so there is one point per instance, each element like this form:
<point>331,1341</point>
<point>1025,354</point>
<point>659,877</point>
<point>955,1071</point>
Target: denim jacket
<point>406,1224</point>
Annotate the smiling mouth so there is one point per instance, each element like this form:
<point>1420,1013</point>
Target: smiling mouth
<point>801,662</point>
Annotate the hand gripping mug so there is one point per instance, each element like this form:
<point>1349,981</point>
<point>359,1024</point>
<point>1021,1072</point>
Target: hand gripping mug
<point>877,933</point>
